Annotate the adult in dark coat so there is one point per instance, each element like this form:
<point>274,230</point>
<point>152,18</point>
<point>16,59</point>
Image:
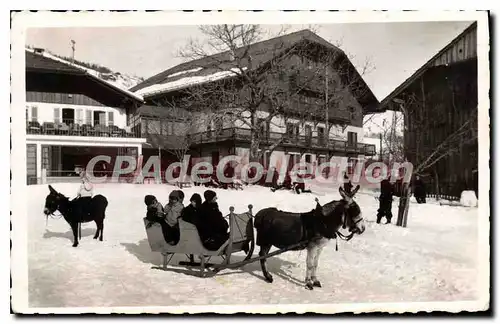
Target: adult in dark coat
<point>419,190</point>
<point>212,227</point>
<point>385,200</point>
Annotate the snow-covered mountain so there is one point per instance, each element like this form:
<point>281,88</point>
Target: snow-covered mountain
<point>123,81</point>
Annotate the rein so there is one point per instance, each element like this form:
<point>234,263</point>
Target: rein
<point>53,217</point>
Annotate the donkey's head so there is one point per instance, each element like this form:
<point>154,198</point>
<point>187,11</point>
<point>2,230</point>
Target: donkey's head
<point>344,212</point>
<point>53,201</point>
<point>353,217</point>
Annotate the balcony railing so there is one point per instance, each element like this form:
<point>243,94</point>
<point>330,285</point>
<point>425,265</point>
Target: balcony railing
<point>244,134</point>
<point>70,128</point>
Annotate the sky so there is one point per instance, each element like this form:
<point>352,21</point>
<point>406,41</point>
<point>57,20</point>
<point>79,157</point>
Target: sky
<point>393,50</point>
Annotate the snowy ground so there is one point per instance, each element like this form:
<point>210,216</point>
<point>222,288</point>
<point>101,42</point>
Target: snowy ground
<point>434,259</point>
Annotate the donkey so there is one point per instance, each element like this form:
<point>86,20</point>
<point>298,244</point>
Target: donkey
<point>310,230</point>
<point>72,213</point>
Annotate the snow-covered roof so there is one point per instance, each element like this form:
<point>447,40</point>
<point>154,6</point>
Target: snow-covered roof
<point>187,81</point>
<point>94,74</point>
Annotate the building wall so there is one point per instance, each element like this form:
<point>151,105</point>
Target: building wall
<point>463,48</point>
<point>447,95</point>
<point>45,112</point>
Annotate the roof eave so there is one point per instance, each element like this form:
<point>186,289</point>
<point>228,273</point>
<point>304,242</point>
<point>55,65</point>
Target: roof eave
<point>386,103</point>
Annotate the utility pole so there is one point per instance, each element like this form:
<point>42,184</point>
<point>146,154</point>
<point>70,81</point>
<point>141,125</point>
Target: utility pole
<point>380,136</point>
<point>327,132</point>
<point>73,51</point>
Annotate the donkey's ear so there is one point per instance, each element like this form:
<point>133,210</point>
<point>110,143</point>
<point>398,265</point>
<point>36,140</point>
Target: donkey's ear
<point>52,190</point>
<point>355,191</point>
<point>342,192</point>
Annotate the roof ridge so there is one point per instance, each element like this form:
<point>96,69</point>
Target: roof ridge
<point>48,55</point>
<point>169,71</point>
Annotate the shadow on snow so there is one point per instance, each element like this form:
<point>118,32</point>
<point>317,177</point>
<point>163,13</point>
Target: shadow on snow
<point>142,251</point>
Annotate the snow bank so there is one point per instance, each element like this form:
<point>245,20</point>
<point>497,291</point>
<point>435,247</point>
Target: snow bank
<point>468,198</point>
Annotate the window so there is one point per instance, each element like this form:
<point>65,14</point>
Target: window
<point>111,118</point>
<point>68,116</point>
<point>308,131</point>
<point>352,138</point>
<point>219,124</point>
<point>321,135</point>
<point>99,117</point>
<point>57,115</point>
<point>321,132</point>
<point>88,117</point>
<point>165,127</point>
<point>263,127</point>
<point>308,158</point>
<point>153,126</point>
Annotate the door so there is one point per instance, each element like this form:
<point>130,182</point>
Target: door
<point>215,158</point>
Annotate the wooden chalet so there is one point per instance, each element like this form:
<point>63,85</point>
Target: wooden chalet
<point>228,136</point>
<point>439,98</point>
<point>71,116</point>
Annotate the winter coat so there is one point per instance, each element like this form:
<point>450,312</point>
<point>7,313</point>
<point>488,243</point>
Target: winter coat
<point>386,190</point>
<point>86,189</point>
<point>155,212</point>
<point>419,188</point>
<point>191,214</point>
<point>212,225</point>
<point>172,213</point>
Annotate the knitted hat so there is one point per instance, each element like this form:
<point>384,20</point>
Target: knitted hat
<point>209,195</point>
<point>149,199</point>
<point>196,198</point>
<point>174,195</point>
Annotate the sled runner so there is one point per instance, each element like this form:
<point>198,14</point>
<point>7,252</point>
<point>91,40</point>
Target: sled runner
<point>240,234</point>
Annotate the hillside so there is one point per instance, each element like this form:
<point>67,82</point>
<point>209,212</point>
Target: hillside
<point>118,79</point>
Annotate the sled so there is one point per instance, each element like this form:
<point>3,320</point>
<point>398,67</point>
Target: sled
<point>240,233</point>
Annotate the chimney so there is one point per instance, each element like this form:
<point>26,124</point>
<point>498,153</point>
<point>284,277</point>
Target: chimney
<point>38,50</point>
<point>231,55</point>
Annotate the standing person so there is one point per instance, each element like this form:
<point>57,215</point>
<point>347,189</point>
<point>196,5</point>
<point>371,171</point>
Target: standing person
<point>84,195</point>
<point>385,200</point>
<point>419,190</point>
<point>213,228</point>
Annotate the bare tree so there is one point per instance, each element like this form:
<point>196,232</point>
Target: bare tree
<point>248,81</point>
<point>176,128</point>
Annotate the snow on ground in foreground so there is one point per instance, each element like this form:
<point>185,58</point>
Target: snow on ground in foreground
<point>434,259</point>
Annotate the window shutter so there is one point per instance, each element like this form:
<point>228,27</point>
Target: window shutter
<point>79,116</point>
<point>111,118</point>
<point>34,113</point>
<point>57,115</point>
<point>102,118</point>
<point>88,119</point>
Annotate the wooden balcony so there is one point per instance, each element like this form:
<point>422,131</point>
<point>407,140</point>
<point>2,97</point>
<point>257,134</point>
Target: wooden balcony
<point>72,128</point>
<point>301,141</point>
